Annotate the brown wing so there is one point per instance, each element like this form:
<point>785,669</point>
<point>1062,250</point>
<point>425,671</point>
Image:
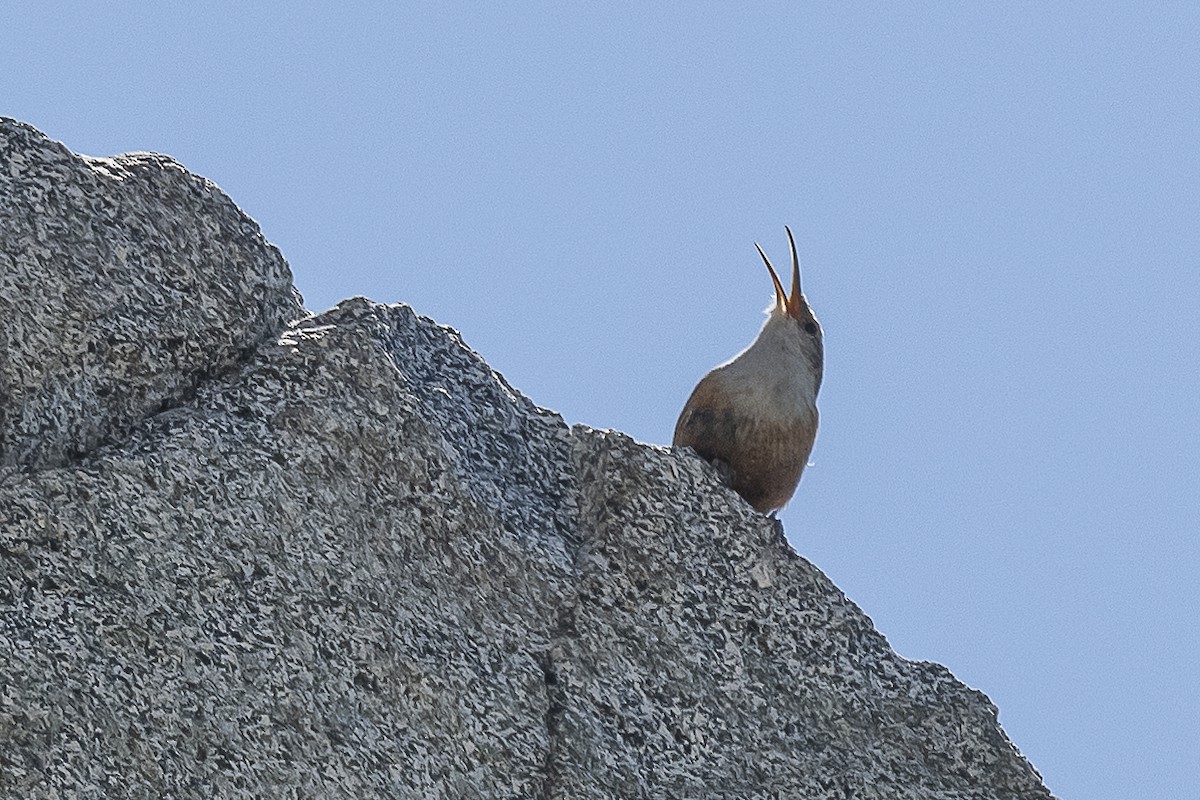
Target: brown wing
<point>764,459</point>
<point>708,423</point>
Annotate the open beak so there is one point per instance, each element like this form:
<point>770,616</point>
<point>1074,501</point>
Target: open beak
<point>795,302</point>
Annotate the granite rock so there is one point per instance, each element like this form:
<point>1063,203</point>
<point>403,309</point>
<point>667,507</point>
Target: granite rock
<point>288,555</point>
<point>123,283</point>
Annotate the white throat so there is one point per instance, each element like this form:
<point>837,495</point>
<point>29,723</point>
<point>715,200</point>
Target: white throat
<point>773,376</point>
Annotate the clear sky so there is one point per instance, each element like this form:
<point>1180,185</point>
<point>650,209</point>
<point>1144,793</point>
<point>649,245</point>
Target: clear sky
<point>997,211</point>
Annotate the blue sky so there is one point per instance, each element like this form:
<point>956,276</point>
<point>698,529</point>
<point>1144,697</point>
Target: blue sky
<point>996,209</point>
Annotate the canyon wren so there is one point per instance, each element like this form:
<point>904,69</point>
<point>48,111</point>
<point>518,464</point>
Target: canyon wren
<point>755,416</point>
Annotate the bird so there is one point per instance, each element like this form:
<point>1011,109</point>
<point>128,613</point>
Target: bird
<point>755,416</point>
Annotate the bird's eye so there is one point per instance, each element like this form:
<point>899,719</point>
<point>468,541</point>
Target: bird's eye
<point>810,327</point>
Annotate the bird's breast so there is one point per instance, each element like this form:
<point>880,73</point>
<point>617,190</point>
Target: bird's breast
<point>771,398</point>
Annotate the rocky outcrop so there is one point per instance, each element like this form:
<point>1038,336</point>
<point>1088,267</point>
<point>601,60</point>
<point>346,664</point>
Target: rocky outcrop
<point>339,556</point>
<point>123,283</point>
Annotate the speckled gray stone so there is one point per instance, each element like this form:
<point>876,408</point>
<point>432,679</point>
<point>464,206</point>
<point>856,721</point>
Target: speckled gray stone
<point>123,282</point>
<point>347,559</point>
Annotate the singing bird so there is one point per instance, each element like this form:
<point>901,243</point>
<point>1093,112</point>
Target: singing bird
<point>755,416</point>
